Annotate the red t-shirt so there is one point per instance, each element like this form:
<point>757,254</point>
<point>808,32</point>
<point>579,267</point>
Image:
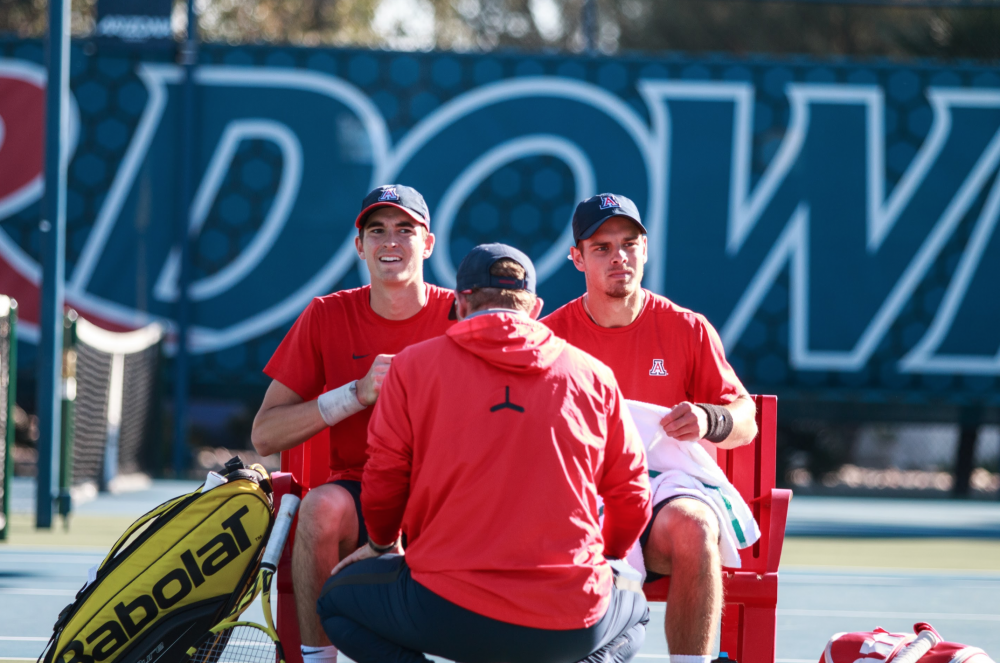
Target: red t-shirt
<point>669,354</point>
<point>334,341</point>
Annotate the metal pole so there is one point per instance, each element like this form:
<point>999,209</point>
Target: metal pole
<point>189,59</point>
<point>588,21</point>
<point>965,454</point>
<point>68,416</point>
<point>53,245</point>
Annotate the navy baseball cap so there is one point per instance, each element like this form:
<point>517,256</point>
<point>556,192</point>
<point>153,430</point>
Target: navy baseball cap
<point>474,271</point>
<point>594,211</point>
<point>399,196</point>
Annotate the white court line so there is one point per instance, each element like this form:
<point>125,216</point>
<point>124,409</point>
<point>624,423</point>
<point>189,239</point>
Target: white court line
<point>886,581</point>
<point>31,591</point>
<point>88,560</point>
<point>18,638</point>
<point>786,612</point>
<point>895,572</point>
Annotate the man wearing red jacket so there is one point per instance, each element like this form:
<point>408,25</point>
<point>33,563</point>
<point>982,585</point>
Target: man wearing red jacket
<point>490,447</point>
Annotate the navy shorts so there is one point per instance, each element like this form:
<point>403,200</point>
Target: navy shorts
<point>354,488</point>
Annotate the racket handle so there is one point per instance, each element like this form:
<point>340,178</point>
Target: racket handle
<point>920,646</point>
<point>282,525</point>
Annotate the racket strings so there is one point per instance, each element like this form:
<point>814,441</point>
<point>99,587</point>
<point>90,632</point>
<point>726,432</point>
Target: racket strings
<point>239,644</point>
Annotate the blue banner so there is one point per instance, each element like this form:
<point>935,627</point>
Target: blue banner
<point>834,220</point>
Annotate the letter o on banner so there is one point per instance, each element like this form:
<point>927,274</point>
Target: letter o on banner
<point>448,155</point>
<point>160,588</point>
<point>504,153</point>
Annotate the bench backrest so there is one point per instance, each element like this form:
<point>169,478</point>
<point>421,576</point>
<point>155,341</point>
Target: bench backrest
<point>309,463</point>
<point>749,468</point>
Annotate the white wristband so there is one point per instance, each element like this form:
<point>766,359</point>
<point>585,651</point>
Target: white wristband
<point>340,403</point>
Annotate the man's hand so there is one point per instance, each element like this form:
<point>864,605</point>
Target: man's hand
<point>370,385</point>
<point>686,422</point>
<point>364,552</point>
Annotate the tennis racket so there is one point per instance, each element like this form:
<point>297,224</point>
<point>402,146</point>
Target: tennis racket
<point>234,641</point>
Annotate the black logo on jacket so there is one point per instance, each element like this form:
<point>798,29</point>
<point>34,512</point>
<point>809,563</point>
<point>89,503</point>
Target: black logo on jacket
<point>506,405</point>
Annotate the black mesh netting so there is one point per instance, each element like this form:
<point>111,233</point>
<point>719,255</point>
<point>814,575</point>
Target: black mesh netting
<point>137,405</point>
<point>91,428</point>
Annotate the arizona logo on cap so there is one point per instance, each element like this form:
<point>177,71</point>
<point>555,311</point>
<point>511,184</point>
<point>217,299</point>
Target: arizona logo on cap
<point>609,201</point>
<point>389,194</point>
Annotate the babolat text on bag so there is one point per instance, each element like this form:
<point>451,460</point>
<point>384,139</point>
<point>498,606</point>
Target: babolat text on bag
<point>175,573</point>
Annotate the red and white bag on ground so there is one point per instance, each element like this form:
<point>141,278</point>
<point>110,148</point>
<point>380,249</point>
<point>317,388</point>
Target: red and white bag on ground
<point>880,646</point>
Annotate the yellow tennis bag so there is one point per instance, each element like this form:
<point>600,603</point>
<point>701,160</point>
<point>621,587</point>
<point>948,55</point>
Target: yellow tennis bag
<point>175,573</point>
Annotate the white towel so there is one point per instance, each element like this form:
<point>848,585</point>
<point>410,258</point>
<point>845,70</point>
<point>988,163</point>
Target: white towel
<point>687,469</point>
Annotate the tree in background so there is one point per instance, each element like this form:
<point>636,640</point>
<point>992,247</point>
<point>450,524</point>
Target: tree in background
<point>747,26</point>
<point>27,18</point>
<point>724,26</point>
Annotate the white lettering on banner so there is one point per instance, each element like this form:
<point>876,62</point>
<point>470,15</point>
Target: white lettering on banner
<point>387,162</point>
<point>157,77</point>
<point>789,249</point>
<point>537,87</point>
<point>135,28</point>
<point>792,246</point>
<point>291,176</point>
<point>487,164</point>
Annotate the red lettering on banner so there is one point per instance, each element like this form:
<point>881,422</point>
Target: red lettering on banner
<point>22,137</point>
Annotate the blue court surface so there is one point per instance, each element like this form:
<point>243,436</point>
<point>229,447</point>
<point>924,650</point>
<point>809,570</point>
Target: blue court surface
<point>37,581</point>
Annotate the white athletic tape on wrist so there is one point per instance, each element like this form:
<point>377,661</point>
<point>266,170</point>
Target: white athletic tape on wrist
<point>338,404</point>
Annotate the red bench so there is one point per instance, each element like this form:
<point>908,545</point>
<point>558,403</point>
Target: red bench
<point>751,592</point>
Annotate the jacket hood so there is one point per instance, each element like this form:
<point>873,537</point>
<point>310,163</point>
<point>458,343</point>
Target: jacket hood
<point>511,342</point>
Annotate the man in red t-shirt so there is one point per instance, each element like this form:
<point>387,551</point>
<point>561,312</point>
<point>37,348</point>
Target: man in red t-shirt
<point>664,354</point>
<point>328,371</point>
<point>491,447</point>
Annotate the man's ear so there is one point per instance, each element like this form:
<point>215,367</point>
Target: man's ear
<point>536,310</point>
<point>429,242</point>
<point>645,249</point>
<point>461,306</point>
<point>577,257</point>
<point>359,246</point>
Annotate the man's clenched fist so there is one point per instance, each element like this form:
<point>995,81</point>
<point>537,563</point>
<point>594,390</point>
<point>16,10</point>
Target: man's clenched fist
<point>370,385</point>
<point>686,421</point>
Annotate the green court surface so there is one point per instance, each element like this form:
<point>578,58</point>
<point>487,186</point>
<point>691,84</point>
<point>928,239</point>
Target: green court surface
<point>99,532</point>
<point>893,554</point>
<point>828,584</point>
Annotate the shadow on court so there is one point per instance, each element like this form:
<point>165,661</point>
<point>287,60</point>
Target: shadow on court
<point>829,583</point>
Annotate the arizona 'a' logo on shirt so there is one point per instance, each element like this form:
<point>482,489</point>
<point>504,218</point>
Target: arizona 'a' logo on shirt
<point>657,368</point>
<point>609,201</point>
<point>389,194</point>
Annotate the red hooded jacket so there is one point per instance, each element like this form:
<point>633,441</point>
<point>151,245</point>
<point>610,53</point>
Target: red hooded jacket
<point>489,446</point>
